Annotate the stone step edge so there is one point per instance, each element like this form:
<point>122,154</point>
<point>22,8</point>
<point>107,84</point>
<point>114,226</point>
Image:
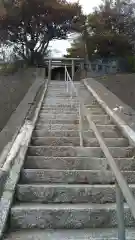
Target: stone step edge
<point>61,185</point>
<point>85,138</point>
<point>79,158</point>
<point>67,206</point>
<point>74,234</point>
<point>79,147</point>
<point>73,171</point>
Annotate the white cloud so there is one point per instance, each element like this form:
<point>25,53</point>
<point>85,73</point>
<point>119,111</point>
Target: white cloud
<point>59,47</point>
<point>88,5</point>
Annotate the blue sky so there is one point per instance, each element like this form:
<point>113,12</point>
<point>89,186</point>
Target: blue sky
<point>59,46</point>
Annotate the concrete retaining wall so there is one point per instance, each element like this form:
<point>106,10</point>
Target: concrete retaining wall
<point>19,99</point>
<point>122,85</point>
<point>12,90</point>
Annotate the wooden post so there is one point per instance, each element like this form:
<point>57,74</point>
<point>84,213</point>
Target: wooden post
<point>50,69</point>
<point>73,69</point>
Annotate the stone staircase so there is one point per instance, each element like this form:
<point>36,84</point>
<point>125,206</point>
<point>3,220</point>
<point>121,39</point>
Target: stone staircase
<point>66,191</point>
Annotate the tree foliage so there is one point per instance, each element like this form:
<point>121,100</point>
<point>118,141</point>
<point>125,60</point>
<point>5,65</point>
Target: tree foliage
<point>29,25</point>
<point>77,48</point>
<point>107,32</point>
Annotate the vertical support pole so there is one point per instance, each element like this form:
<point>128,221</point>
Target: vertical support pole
<point>36,72</point>
<point>73,69</point>
<point>45,73</point>
<point>96,67</point>
<point>120,213</point>
<point>66,79</point>
<point>50,70</point>
<point>59,76</point>
<point>82,66</point>
<point>81,125</point>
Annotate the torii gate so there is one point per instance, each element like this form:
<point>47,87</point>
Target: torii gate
<point>58,62</point>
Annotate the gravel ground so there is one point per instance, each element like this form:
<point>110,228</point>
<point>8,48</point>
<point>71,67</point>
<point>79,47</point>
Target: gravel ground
<point>12,90</point>
<point>122,85</point>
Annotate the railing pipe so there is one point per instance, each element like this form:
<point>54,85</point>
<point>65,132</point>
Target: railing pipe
<point>50,70</point>
<point>80,125</point>
<point>73,69</point>
<point>122,188</point>
<point>120,213</point>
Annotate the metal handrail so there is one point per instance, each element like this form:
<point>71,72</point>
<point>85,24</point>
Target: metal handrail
<point>69,79</point>
<point>122,188</point>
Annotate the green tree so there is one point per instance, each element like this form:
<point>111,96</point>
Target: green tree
<point>77,49</point>
<point>29,25</point>
<point>106,34</point>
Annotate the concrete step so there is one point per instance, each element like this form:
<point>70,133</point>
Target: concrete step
<point>59,111</point>
<point>49,116</point>
<point>58,94</point>
<point>62,133</point>
<point>66,97</point>
<point>60,97</point>
<point>69,107</point>
<point>60,101</point>
<point>57,85</point>
<point>56,141</point>
<point>72,176</point>
<point>66,216</point>
<point>59,90</point>
<point>69,151</point>
<point>58,121</point>
<point>56,111</point>
<point>63,94</point>
<point>71,126</point>
<point>75,234</point>
<point>106,127</point>
<point>110,142</point>
<point>73,163</point>
<point>101,119</point>
<point>60,106</point>
<point>57,127</point>
<point>65,193</point>
<point>71,133</point>
<point>90,142</point>
<point>92,105</point>
<point>96,111</point>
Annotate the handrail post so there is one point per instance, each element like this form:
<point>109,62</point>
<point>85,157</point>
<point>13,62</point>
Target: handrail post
<point>67,82</point>
<point>65,78</point>
<point>73,69</point>
<point>120,213</point>
<point>45,73</point>
<point>81,125</point>
<point>65,74</point>
<point>50,70</point>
